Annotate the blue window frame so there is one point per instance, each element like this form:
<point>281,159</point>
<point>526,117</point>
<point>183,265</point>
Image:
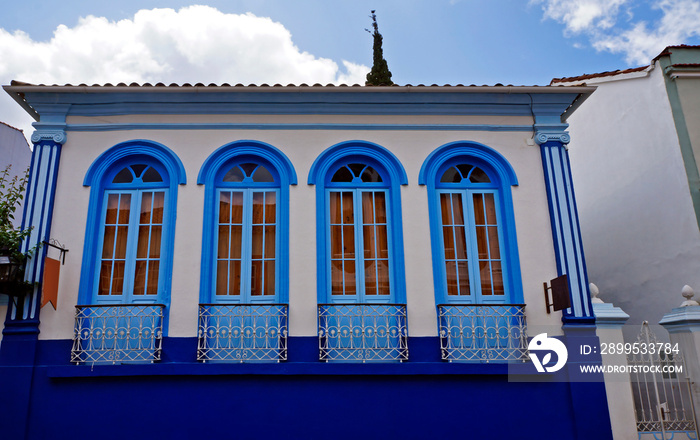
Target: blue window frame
<point>474,247</point>
<point>361,285</point>
<point>126,273</point>
<point>128,250</point>
<point>245,255</point>
<point>359,232</point>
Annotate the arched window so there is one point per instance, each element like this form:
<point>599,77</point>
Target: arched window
<point>245,254</point>
<point>128,254</point>
<point>359,224</point>
<point>476,271</point>
<point>475,258</point>
<point>361,286</point>
<point>130,228</point>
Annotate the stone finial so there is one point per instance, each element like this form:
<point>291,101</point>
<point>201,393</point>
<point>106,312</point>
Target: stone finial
<point>688,293</point>
<point>594,294</point>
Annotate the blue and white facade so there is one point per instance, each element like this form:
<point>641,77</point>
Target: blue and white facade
<point>298,262</point>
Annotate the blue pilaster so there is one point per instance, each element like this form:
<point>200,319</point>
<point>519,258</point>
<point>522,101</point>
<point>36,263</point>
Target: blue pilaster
<point>566,231</point>
<point>23,313</point>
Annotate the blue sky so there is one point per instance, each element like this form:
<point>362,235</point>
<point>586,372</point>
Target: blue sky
<point>516,42</point>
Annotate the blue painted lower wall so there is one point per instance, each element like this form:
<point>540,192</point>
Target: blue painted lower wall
<point>299,399</point>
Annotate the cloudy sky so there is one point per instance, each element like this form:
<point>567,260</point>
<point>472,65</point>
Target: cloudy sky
<point>521,42</point>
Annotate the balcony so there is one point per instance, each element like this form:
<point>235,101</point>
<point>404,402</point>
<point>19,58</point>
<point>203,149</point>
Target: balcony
<point>242,333</point>
<point>117,334</point>
<point>362,332</point>
<point>483,333</point>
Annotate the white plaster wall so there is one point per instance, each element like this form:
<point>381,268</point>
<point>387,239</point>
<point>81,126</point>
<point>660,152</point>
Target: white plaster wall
<point>639,229</point>
<point>302,147</point>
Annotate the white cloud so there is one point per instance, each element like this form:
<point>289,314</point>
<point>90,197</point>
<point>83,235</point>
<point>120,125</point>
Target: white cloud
<point>680,21</point>
<point>610,25</point>
<point>197,44</point>
<point>582,15</point>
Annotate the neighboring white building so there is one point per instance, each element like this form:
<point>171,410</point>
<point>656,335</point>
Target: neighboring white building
<point>635,152</point>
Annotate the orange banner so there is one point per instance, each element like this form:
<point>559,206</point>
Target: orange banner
<point>49,290</point>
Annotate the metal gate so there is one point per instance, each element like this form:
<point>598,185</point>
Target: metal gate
<point>663,402</point>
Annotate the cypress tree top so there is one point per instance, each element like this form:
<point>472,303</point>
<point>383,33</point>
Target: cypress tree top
<point>380,74</point>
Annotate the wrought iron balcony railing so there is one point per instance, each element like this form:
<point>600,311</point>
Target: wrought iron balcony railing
<point>117,334</point>
<point>242,333</point>
<point>362,332</point>
<point>483,333</point>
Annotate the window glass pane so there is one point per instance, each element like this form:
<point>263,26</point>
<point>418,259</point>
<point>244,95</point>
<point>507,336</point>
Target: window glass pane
<point>224,207</point>
<point>122,235</point>
<point>143,241</point>
<point>158,206</point>
<point>335,211</point>
<point>222,277</point>
<point>457,209</point>
<point>369,243</point>
<point>463,274</point>
<point>105,278</point>
<point>270,241</point>
<point>348,208</point>
<point>451,175</point>
<point>153,267</point>
<point>270,278</point>
<point>370,277</point>
<point>156,233</point>
<point>490,209</point>
<point>371,175</point>
<point>464,169</point>
<point>257,242</point>
<point>112,208</point>
<point>236,243</point>
<point>349,268</point>
<point>256,275</point>
<point>451,277</point>
<point>382,241</point>
<point>357,168</point>
<point>336,277</point>
<point>108,242</point>
<point>448,242</point>
<point>482,242</point>
<point>124,208</point>
<point>270,207</point>
<point>138,169</point>
<point>237,207</point>
<point>479,218</point>
<point>151,175</point>
<point>342,175</point>
<point>380,207</point>
<point>234,282</point>
<point>446,209</point>
<point>349,241</point>
<point>479,176</point>
<point>367,207</point>
<point>140,277</point>
<point>146,202</point>
<point>235,174</point>
<point>460,243</point>
<point>123,176</point>
<point>497,274</point>
<point>258,207</point>
<point>118,278</point>
<point>383,277</point>
<point>494,250</point>
<point>263,175</point>
<point>336,241</point>
<point>485,274</point>
<point>223,245</point>
<point>248,168</point>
